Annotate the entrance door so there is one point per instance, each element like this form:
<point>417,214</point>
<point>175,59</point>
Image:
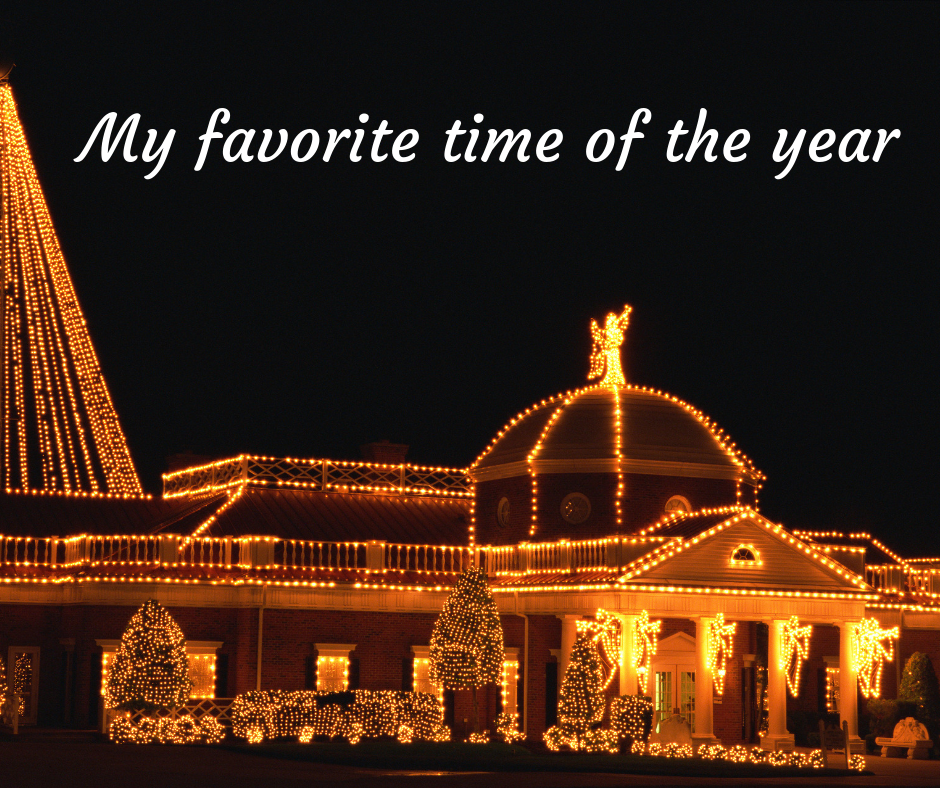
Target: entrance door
<point>674,690</point>
<point>674,678</point>
<point>23,680</point>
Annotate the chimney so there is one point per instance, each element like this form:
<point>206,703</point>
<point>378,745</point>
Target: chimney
<point>384,452</point>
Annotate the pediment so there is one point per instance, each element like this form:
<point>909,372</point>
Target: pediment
<point>782,562</point>
<point>679,641</point>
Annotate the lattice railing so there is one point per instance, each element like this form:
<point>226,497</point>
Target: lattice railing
<point>220,708</point>
<point>323,475</point>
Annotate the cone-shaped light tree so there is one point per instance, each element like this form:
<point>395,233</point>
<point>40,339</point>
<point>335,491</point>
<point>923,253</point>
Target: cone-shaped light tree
<point>150,668</point>
<point>467,643</point>
<point>581,702</point>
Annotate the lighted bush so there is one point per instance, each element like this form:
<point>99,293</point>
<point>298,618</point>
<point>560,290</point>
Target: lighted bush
<point>600,740</point>
<point>165,730</point>
<point>304,714</point>
<point>631,716</point>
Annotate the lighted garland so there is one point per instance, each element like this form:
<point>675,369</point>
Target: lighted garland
<point>869,653</point>
<point>794,650</point>
<point>150,668</point>
<point>740,754</point>
<point>720,647</point>
<point>644,648</point>
<point>262,715</point>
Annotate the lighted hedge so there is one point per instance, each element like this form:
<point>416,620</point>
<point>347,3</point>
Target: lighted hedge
<point>165,730</point>
<point>262,715</point>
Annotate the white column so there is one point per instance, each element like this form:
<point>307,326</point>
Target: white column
<point>628,677</point>
<point>848,685</point>
<point>569,633</point>
<point>704,694</point>
<point>777,738</point>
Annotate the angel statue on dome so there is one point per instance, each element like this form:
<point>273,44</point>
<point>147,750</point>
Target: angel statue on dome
<point>605,354</point>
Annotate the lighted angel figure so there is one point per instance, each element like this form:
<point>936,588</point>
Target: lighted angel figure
<point>606,629</point>
<point>644,648</point>
<point>720,648</point>
<point>605,354</point>
<point>794,651</point>
<point>871,652</point>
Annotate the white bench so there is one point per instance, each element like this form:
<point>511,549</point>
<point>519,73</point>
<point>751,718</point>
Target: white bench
<point>909,735</point>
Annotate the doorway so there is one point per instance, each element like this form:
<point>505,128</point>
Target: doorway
<point>674,679</point>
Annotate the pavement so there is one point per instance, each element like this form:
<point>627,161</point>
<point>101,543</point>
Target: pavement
<point>74,763</point>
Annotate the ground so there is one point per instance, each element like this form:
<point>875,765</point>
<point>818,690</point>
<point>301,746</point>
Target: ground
<point>101,765</point>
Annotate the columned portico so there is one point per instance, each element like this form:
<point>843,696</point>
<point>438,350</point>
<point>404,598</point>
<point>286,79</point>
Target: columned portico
<point>777,738</point>
<point>848,685</point>
<point>704,700</point>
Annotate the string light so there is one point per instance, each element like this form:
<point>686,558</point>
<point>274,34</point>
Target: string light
<point>150,666</point>
<point>606,630</point>
<point>466,650</point>
<point>872,646</point>
<point>720,646</point>
<point>645,642</point>
<point>70,423</point>
<point>794,650</point>
<point>605,355</point>
<point>261,715</point>
<point>630,716</point>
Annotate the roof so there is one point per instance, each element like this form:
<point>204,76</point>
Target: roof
<point>342,517</point>
<point>42,514</point>
<point>601,428</point>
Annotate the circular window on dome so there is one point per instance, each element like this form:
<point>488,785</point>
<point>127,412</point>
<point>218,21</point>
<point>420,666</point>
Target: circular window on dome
<point>678,503</point>
<point>575,508</point>
<point>502,511</point>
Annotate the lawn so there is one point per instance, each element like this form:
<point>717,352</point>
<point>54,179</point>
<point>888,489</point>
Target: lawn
<point>497,757</point>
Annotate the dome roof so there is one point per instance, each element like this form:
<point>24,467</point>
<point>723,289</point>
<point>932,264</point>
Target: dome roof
<point>607,428</point>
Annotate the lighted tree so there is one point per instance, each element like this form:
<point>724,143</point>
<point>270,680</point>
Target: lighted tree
<point>150,668</point>
<point>919,686</point>
<point>467,643</point>
<point>581,702</point>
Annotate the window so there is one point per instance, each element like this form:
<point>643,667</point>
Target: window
<point>510,681</point>
<point>421,678</point>
<point>745,555</point>
<point>333,666</point>
<point>502,512</point>
<point>575,508</point>
<point>202,665</point>
<point>678,503</point>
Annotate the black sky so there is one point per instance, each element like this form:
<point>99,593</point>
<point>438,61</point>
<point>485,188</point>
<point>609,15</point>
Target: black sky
<point>305,309</point>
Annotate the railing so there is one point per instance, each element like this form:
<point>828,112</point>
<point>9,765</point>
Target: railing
<point>323,475</point>
<point>892,578</point>
<point>197,708</point>
<point>320,555</point>
<point>428,558</point>
<point>28,550</point>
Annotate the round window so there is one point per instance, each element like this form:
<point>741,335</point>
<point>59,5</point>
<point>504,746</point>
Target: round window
<point>502,512</point>
<point>575,508</point>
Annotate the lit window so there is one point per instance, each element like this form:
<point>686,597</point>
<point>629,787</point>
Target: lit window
<point>832,689</point>
<point>421,676</point>
<point>201,656</point>
<point>333,666</point>
<point>509,682</point>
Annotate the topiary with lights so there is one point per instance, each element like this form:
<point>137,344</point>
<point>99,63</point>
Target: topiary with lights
<point>150,669</point>
<point>919,686</point>
<point>581,702</point>
<point>467,642</point>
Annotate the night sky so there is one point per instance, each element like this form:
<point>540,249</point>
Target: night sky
<point>304,309</point>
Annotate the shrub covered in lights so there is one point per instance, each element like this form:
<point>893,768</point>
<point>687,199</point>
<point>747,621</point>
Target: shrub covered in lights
<point>165,730</point>
<point>150,669</point>
<point>467,642</point>
<point>581,702</point>
<point>507,727</point>
<point>631,716</point>
<point>919,686</point>
<point>262,715</point>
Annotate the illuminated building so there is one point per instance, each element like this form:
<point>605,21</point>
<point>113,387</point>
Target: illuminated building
<point>287,574</point>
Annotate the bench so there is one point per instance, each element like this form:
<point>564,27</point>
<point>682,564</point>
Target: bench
<point>909,735</point>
